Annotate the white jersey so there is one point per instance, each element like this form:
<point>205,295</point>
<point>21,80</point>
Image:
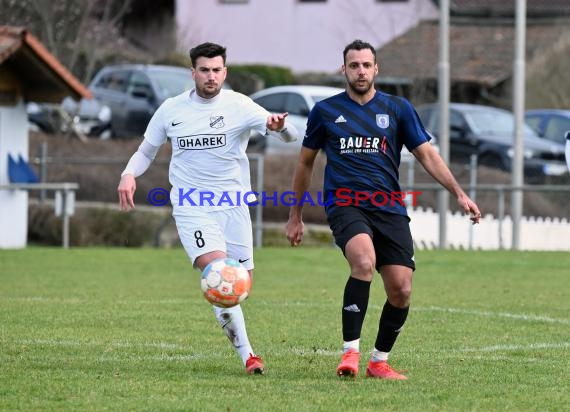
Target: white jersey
<point>209,167</point>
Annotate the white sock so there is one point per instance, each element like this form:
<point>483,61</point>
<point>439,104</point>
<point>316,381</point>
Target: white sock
<point>233,323</point>
<point>353,345</point>
<point>378,356</point>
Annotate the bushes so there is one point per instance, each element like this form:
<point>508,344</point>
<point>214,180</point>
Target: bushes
<point>94,227</point>
<point>271,75</point>
<point>175,59</point>
<point>44,227</point>
<point>243,78</point>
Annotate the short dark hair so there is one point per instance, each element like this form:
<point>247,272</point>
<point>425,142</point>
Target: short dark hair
<point>207,50</point>
<point>358,45</point>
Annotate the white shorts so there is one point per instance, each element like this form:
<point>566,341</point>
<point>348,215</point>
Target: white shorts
<point>227,230</point>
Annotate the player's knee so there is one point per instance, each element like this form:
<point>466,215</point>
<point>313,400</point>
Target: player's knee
<point>400,296</point>
<point>362,267</point>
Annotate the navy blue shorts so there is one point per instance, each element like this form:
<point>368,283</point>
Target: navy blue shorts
<point>390,233</point>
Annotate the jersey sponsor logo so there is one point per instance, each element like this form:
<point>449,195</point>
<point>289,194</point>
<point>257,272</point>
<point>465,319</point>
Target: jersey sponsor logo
<point>383,121</point>
<point>217,122</point>
<point>340,119</point>
<point>201,141</point>
<point>174,124</point>
<point>359,144</point>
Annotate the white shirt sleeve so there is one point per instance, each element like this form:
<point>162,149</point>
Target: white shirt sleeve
<point>288,134</point>
<point>155,132</point>
<point>254,116</point>
<point>141,159</point>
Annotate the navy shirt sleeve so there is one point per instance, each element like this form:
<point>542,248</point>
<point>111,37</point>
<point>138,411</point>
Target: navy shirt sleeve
<point>315,135</point>
<point>410,128</point>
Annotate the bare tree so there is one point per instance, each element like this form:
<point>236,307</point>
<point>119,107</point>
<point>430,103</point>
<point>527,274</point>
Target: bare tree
<point>547,77</point>
<point>77,32</point>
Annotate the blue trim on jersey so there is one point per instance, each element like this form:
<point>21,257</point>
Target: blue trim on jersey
<point>363,145</point>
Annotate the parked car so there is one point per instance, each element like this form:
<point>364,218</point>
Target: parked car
<point>550,124</point>
<point>488,132</point>
<point>87,117</point>
<point>297,100</point>
<point>133,92</point>
<point>42,117</point>
<point>125,97</point>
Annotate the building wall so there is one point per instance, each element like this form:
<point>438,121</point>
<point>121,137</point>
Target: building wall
<point>304,36</point>
<point>13,203</point>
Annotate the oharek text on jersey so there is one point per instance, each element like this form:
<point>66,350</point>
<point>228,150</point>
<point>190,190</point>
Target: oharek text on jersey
<point>201,141</point>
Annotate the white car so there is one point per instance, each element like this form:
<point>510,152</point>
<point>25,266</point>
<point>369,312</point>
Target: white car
<point>297,100</point>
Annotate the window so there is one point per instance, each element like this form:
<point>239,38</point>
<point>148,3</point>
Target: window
<point>104,81</point>
<point>170,83</point>
<point>295,104</point>
<point>114,81</point>
<point>139,86</point>
<point>456,123</point>
<point>274,103</point>
<point>456,120</point>
<point>557,128</point>
<point>534,122</point>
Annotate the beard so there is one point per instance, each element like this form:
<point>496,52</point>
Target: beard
<point>208,91</point>
<point>359,86</point>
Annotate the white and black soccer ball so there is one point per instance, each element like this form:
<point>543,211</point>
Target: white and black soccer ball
<point>225,282</point>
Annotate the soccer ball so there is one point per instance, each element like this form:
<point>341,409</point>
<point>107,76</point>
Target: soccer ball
<point>225,282</point>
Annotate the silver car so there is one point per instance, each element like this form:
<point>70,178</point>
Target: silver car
<point>297,100</point>
<point>133,92</point>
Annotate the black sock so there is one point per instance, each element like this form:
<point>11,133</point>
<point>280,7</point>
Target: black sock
<point>354,305</point>
<point>391,322</point>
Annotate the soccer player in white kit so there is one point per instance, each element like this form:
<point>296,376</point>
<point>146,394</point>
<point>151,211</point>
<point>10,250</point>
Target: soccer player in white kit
<point>209,128</point>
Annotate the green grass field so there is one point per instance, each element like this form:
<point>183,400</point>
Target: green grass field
<point>128,330</point>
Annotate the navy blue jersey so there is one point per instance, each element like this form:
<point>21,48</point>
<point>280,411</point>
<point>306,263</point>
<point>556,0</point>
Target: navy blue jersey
<point>363,145</point>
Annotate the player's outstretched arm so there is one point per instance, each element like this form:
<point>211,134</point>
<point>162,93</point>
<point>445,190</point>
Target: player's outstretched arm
<point>276,121</point>
<point>277,127</point>
<point>436,167</point>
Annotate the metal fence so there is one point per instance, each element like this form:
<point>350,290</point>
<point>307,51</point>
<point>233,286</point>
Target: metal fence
<point>502,192</point>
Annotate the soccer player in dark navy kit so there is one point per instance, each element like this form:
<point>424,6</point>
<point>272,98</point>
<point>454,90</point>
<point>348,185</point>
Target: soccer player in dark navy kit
<point>362,131</point>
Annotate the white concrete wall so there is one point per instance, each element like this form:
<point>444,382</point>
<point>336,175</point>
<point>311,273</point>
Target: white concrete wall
<point>307,37</point>
<point>536,233</point>
<point>13,204</point>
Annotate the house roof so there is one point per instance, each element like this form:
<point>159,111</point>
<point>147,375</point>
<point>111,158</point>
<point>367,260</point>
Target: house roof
<point>43,77</point>
<point>506,8</point>
<point>479,51</point>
